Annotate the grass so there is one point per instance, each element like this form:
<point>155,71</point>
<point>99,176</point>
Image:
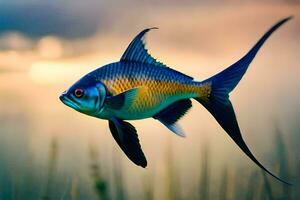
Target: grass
<point>172,180</point>
<point>255,186</point>
<point>100,183</point>
<point>52,163</point>
<point>204,190</point>
<point>224,185</point>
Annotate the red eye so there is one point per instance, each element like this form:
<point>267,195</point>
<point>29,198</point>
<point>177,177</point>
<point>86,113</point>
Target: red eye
<point>78,92</point>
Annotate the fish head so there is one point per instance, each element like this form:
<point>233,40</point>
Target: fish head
<point>85,96</point>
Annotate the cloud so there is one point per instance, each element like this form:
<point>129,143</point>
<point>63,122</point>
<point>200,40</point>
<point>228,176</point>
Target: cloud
<point>79,19</point>
<point>40,19</point>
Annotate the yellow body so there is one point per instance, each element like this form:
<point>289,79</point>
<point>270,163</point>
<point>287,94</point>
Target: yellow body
<point>154,95</point>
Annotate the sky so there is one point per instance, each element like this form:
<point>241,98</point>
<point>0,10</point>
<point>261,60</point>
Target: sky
<point>45,46</point>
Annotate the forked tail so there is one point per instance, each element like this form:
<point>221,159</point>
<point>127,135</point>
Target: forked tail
<point>218,103</point>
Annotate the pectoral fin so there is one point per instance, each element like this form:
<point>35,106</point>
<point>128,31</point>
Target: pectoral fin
<point>124,99</point>
<point>126,136</point>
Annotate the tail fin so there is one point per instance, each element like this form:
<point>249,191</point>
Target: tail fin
<point>218,103</point>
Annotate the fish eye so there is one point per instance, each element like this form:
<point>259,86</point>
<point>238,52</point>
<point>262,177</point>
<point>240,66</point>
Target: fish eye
<point>79,92</point>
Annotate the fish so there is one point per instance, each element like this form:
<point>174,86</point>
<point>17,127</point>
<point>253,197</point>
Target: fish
<point>138,87</point>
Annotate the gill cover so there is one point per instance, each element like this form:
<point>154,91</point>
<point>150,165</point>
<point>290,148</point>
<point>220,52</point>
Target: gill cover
<point>102,95</point>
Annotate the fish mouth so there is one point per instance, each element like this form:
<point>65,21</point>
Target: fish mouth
<point>68,102</point>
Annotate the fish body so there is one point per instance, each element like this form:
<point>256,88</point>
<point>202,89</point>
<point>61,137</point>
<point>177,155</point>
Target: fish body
<point>139,87</point>
<point>159,87</point>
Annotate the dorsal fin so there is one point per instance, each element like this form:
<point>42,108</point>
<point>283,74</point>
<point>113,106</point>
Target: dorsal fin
<point>137,51</point>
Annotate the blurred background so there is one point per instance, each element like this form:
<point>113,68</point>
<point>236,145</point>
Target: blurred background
<point>48,151</point>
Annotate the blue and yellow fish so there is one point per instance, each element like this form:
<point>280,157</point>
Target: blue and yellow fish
<point>139,87</point>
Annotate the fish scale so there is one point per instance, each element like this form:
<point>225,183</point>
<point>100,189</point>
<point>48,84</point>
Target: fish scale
<point>164,85</point>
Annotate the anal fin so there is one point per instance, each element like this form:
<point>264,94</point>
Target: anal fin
<point>171,114</point>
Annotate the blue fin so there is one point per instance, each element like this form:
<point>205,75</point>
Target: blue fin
<point>218,103</point>
<point>171,114</point>
<point>137,52</point>
<point>122,100</point>
<point>228,79</point>
<point>175,128</point>
<point>126,136</point>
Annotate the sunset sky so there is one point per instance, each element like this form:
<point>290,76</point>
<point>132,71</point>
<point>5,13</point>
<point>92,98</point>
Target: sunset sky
<point>45,46</point>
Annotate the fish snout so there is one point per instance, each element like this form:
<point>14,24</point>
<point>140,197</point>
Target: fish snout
<point>62,96</point>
